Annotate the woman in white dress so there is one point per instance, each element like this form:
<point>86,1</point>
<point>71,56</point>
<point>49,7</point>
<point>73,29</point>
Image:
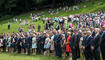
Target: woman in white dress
<point>34,44</point>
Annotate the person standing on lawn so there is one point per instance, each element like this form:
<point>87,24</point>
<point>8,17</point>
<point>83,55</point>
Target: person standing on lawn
<point>95,45</point>
<point>47,45</point>
<point>39,27</point>
<point>74,44</point>
<point>8,25</point>
<point>57,44</point>
<point>34,44</point>
<point>4,42</point>
<point>68,49</point>
<point>19,43</point>
<point>87,46</point>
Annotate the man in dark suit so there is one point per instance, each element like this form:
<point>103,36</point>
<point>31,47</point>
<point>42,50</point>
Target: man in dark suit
<point>57,44</point>
<point>28,43</point>
<point>95,45</point>
<point>74,44</point>
<point>4,43</point>
<point>40,43</point>
<point>102,45</point>
<point>87,46</point>
<point>16,40</point>
<point>18,44</point>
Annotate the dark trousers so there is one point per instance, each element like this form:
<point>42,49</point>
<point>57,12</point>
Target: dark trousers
<point>4,48</point>
<point>103,52</point>
<point>78,51</point>
<point>58,50</point>
<point>15,47</point>
<point>8,27</point>
<point>67,53</point>
<point>28,47</point>
<point>19,49</point>
<point>96,54</point>
<point>40,48</point>
<point>74,54</point>
<point>88,55</point>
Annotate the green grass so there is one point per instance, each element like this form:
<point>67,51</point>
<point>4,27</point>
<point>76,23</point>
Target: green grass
<point>8,56</point>
<point>15,56</point>
<point>14,27</point>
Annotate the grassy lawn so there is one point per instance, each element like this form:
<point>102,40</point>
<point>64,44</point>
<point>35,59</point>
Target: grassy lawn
<point>15,56</point>
<point>7,56</point>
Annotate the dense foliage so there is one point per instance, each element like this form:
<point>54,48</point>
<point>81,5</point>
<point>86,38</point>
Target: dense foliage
<point>17,6</point>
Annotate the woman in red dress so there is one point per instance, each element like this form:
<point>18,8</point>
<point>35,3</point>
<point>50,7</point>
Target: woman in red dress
<point>68,49</point>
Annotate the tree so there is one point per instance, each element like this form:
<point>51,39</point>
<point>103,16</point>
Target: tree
<point>10,4</point>
<point>1,2</point>
<point>1,5</point>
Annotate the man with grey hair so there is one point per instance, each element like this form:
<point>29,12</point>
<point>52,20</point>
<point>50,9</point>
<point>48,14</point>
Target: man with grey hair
<point>87,45</point>
<point>95,45</point>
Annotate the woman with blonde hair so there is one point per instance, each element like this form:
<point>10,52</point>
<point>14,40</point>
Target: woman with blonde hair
<point>34,44</point>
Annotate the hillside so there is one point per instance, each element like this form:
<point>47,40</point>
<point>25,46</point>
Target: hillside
<point>90,7</point>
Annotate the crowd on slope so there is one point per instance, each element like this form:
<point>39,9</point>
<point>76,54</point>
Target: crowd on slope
<point>85,35</point>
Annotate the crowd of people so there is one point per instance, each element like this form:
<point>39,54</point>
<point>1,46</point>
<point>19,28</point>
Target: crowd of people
<point>85,35</point>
